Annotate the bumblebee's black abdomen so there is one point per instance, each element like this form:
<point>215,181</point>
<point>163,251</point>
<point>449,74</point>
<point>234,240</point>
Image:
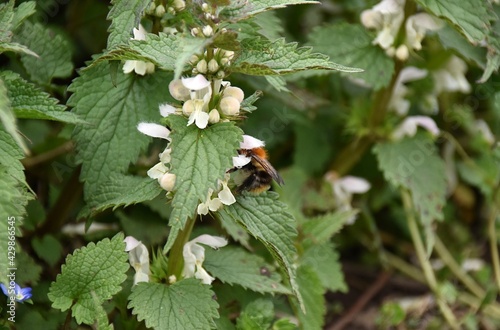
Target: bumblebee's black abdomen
<point>256,182</point>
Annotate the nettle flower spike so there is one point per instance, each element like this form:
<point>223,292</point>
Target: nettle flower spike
<point>194,255</point>
<point>161,171</point>
<point>138,257</point>
<point>139,67</point>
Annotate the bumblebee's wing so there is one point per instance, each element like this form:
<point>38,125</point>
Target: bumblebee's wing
<point>269,169</point>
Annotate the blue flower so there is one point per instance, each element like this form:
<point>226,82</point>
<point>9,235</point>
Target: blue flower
<point>21,294</point>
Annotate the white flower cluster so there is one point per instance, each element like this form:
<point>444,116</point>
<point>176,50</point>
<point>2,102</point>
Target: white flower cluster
<point>172,7</point>
<point>386,18</point>
<point>215,66</point>
<point>193,254</point>
<point>205,102</point>
<point>139,67</point>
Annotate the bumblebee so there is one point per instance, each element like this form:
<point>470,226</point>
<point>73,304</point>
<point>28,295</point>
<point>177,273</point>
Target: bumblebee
<point>257,175</point>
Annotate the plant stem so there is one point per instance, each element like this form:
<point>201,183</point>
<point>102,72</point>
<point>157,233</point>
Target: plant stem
<point>449,261</point>
<point>175,257</point>
<point>492,236</point>
<point>33,161</point>
<point>424,262</point>
<point>492,309</point>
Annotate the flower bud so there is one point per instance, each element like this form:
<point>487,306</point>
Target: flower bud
<point>167,181</point>
<point>229,106</point>
<point>205,7</point>
<point>229,54</point>
<point>171,10</point>
<point>213,66</point>
<point>202,66</point>
<point>179,4</point>
<point>160,11</point>
<point>195,31</point>
<point>193,59</point>
<point>151,8</point>
<point>150,67</point>
<point>213,116</point>
<point>220,74</point>
<point>178,91</point>
<point>208,31</point>
<point>224,61</point>
<point>235,92</point>
<point>188,107</point>
<point>402,53</point>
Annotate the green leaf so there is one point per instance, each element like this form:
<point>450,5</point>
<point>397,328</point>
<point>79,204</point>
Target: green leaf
<point>124,16</point>
<point>30,102</point>
<point>90,276</point>
<point>187,304</point>
<point>239,9</point>
<point>48,248</point>
<point>12,202</point>
<point>266,219</point>
<point>451,39</point>
<point>351,44</point>
<point>324,260</point>
<point>320,229</point>
<point>199,158</point>
<point>258,314</point>
<point>262,57</point>
<point>166,51</point>
<point>470,17</point>
<point>23,11</point>
<point>236,266</point>
<point>16,48</point>
<point>53,49</point>
<point>113,109</point>
<point>121,190</point>
<point>6,17</point>
<point>236,232</point>
<point>312,292</point>
<point>414,164</point>
<point>8,119</point>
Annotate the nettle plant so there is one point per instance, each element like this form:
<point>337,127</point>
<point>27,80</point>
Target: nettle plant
<point>165,74</point>
<point>213,248</point>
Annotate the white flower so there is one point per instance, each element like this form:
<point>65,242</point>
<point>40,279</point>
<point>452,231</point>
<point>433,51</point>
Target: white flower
<point>154,130</point>
<point>194,255</point>
<point>249,142</point>
<point>343,189</point>
<point>140,67</point>
<point>398,103</point>
<point>451,78</point>
<point>386,17</point>
<point>416,27</point>
<point>199,116</point>
<point>210,204</point>
<point>225,195</point>
<point>197,83</point>
<point>138,257</point>
<point>482,128</point>
<point>409,127</point>
<point>157,171</point>
<point>166,110</point>
<point>241,161</point>
<point>473,265</point>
